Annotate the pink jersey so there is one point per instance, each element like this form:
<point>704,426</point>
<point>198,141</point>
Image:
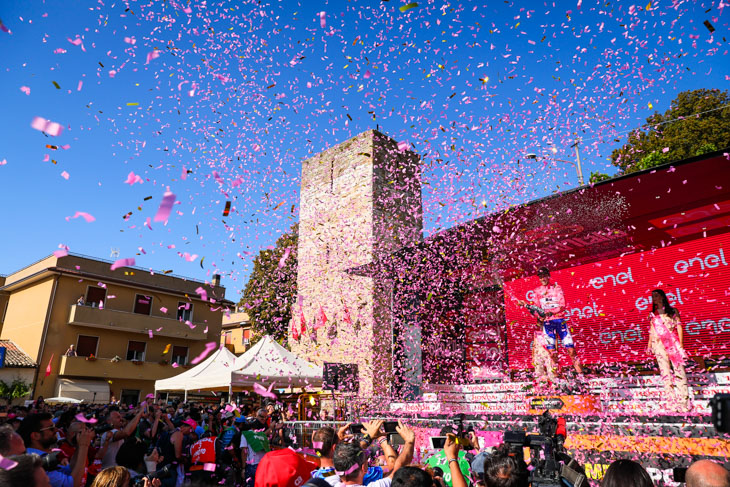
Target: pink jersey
<point>550,298</point>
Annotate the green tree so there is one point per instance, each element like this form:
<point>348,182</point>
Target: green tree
<point>679,133</point>
<point>14,390</point>
<point>271,290</point>
<point>597,177</point>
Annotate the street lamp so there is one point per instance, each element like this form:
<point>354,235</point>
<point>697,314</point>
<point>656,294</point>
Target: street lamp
<point>577,164</point>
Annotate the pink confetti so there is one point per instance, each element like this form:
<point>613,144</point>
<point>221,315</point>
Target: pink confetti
<point>209,347</point>
<point>163,212</point>
<point>75,42</point>
<point>86,216</point>
<point>25,89</point>
<point>282,261</point>
<point>3,162</point>
<point>264,392</point>
<point>152,55</point>
<point>323,19</point>
<point>203,293</point>
<point>78,88</point>
<point>6,463</point>
<point>83,419</point>
<point>133,178</point>
<point>175,365</point>
<point>151,335</point>
<point>65,175</point>
<point>665,150</point>
<point>130,40</point>
<point>163,309</point>
<point>51,128</point>
<point>402,146</point>
<point>63,252</point>
<point>122,263</point>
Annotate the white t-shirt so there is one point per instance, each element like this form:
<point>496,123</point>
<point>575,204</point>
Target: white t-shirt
<point>253,457</point>
<point>378,483</point>
<point>110,457</point>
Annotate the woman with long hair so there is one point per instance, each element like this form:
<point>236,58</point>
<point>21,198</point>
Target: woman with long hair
<point>666,343</point>
<point>626,473</point>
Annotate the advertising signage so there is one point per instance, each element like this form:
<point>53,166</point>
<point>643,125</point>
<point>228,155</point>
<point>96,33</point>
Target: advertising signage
<point>609,302</point>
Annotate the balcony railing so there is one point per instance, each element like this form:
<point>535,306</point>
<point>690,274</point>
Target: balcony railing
<point>111,319</point>
<point>122,369</point>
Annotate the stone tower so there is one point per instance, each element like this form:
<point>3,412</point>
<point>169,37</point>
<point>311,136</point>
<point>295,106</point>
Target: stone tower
<point>360,201</point>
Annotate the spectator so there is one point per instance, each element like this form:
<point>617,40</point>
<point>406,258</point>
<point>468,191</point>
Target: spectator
<point>626,473</point>
<point>39,435</point>
<point>254,445</point>
<point>505,470</point>
<point>283,468</point>
<point>112,477</point>
<point>28,472</point>
<point>112,440</point>
<point>71,352</point>
<point>10,442</point>
<point>411,477</point>
<point>706,473</point>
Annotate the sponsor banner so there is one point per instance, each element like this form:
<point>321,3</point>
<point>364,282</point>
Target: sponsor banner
<point>483,397</point>
<point>608,303</point>
<point>415,407</point>
<point>723,378</point>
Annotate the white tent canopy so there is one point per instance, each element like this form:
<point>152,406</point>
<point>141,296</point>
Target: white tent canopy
<point>213,372</point>
<point>268,362</point>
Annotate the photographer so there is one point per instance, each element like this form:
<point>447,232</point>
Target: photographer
<point>27,472</point>
<point>415,477</point>
<point>39,435</point>
<point>112,440</point>
<point>120,477</point>
<point>503,469</point>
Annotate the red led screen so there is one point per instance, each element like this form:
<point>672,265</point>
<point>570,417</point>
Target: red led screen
<point>609,302</point>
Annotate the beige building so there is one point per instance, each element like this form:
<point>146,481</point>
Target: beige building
<point>236,332</point>
<point>129,326</point>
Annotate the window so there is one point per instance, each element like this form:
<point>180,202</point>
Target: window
<point>95,296</point>
<point>180,355</point>
<point>184,311</point>
<point>227,335</point>
<point>136,350</point>
<point>87,345</point>
<point>142,304</point>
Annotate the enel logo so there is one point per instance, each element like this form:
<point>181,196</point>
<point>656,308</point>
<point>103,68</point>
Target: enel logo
<point>642,304</point>
<point>710,261</point>
<point>630,335</point>
<point>619,279</point>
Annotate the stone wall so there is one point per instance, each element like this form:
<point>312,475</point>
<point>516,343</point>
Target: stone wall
<point>359,200</point>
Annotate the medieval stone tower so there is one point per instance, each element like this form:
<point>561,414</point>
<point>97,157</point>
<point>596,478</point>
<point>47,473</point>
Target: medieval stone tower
<point>360,201</point>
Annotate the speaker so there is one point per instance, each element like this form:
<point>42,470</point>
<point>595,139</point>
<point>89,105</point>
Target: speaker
<point>341,377</point>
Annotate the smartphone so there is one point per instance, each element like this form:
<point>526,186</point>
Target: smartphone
<point>356,429</point>
<point>389,426</point>
<point>437,442</point>
<point>395,439</point>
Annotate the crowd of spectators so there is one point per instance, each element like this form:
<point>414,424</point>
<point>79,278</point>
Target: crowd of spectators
<point>170,445</point>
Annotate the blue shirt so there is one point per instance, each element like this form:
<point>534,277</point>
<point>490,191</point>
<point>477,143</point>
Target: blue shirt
<point>61,477</point>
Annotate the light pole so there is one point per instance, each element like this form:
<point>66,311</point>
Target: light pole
<point>577,163</point>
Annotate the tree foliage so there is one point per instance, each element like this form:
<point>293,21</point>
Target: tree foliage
<point>597,177</point>
<point>16,389</point>
<point>271,290</point>
<point>679,133</point>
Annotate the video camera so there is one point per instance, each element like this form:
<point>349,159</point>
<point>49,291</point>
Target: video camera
<point>163,473</point>
<point>553,467</point>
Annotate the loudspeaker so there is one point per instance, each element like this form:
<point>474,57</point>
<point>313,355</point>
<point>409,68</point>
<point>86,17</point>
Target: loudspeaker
<point>341,377</point>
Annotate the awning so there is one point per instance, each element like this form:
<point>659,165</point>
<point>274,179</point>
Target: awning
<point>89,391</point>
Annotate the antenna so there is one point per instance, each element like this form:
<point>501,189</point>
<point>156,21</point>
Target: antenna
<point>114,252</point>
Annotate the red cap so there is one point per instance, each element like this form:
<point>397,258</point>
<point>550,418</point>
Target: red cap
<point>283,468</point>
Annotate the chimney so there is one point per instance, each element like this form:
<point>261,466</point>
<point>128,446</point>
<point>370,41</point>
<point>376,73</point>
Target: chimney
<point>216,280</point>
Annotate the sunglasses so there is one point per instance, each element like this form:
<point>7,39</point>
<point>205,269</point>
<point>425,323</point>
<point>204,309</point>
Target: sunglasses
<point>53,427</point>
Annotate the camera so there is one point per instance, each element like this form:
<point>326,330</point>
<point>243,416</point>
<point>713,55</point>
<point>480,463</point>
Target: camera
<point>103,428</point>
<point>51,461</point>
<point>163,473</point>
<point>552,466</point>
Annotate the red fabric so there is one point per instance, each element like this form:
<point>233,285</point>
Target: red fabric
<point>48,369</point>
<point>283,468</point>
<point>203,451</point>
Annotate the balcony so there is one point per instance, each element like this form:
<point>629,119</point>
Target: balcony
<point>123,369</point>
<point>124,321</point>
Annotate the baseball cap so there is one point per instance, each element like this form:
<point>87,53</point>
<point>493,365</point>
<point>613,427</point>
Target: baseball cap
<point>283,468</point>
<point>191,423</point>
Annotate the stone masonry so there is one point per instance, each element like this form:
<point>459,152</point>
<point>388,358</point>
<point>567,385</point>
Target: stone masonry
<point>360,200</point>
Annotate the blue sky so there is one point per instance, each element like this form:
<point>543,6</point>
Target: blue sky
<point>239,93</point>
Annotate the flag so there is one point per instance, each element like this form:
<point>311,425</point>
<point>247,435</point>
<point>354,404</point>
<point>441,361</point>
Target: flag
<point>48,369</point>
<point>302,322</point>
<point>294,330</point>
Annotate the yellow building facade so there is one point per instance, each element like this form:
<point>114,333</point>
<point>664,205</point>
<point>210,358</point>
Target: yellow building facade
<point>236,332</point>
<point>128,327</point>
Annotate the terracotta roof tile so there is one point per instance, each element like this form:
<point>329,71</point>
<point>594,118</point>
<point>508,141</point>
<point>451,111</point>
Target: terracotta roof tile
<point>15,356</point>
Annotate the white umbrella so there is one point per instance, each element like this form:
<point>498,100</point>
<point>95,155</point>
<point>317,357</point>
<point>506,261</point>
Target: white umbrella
<point>63,400</point>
